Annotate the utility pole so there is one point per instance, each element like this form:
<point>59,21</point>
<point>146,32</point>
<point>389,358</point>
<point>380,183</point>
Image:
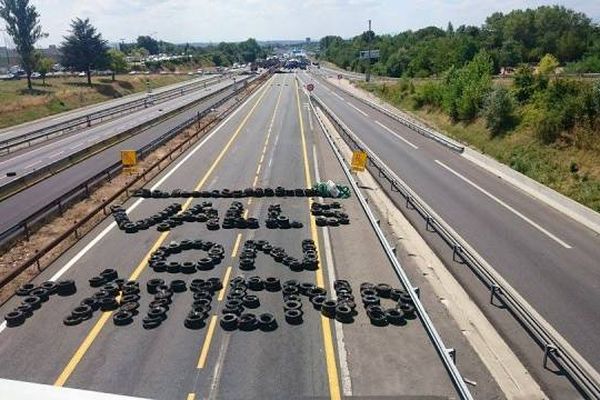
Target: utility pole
<point>368,73</point>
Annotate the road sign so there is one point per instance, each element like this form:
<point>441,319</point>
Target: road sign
<point>369,54</point>
<point>310,87</point>
<point>359,160</point>
<point>128,158</point>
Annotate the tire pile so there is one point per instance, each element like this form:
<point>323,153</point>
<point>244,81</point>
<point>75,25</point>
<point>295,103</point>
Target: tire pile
<point>277,221</point>
<point>379,315</point>
<point>309,262</point>
<point>204,291</point>
<point>228,193</point>
<point>234,218</point>
<point>168,218</point>
<point>329,214</point>
<point>158,259</point>
<point>33,298</point>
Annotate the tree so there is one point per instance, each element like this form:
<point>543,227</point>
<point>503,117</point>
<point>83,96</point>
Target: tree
<point>43,66</point>
<point>498,111</point>
<point>23,26</point>
<point>116,62</point>
<point>148,43</point>
<point>84,49</point>
<point>547,65</point>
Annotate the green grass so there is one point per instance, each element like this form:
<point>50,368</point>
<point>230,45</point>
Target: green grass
<point>572,171</point>
<point>18,105</point>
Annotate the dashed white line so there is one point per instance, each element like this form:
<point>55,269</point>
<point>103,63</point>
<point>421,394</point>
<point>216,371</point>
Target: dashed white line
<point>357,109</point>
<point>337,95</point>
<point>503,204</point>
<point>55,154</point>
<point>32,164</point>
<point>396,135</point>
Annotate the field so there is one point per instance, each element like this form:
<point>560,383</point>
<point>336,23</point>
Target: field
<point>18,105</point>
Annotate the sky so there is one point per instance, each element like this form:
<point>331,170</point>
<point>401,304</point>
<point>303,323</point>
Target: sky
<point>181,21</point>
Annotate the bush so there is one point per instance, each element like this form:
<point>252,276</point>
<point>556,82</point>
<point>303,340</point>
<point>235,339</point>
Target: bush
<point>498,111</point>
<point>430,93</point>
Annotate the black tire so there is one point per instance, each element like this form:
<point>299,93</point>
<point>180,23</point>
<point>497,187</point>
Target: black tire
<point>50,286</point>
<point>131,307</point>
<point>371,300</point>
<point>122,318</point>
<point>395,294</point>
<point>395,316</point>
<point>194,321</point>
<point>205,264</point>
<point>97,281</point>
<point>108,304</point>
<point>71,320</point>
<point>328,308</point>
<point>383,290</point>
<point>152,285</point>
<point>14,318</point>
<point>109,274</point>
<point>368,292</point>
<point>288,290</point>
<point>173,267</point>
<point>251,301</point>
<point>216,284</point>
<point>291,282</point>
<point>266,322</point>
<point>255,283</point>
<point>272,284</point>
<point>366,285</point>
<point>41,293</point>
<point>229,322</point>
<point>247,322</point>
<point>34,301</point>
<point>317,291</point>
<point>317,302</point>
<point>160,312</point>
<point>304,287</point>
<point>292,305</point>
<point>377,317</point>
<point>344,313</point>
<point>83,311</point>
<point>26,309</point>
<point>24,289</point>
<point>293,317</point>
<point>234,303</point>
<point>246,264</point>
<point>91,302</point>
<point>408,310</point>
<point>130,298</point>
<point>178,286</point>
<point>188,267</point>
<point>112,289</point>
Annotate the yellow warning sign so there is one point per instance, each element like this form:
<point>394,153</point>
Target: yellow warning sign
<point>359,160</point>
<point>128,158</point>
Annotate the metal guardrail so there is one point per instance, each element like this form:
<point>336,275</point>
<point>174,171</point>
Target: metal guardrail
<point>578,370</point>
<point>83,189</point>
<point>45,133</point>
<point>103,208</point>
<point>424,131</point>
<point>444,352</point>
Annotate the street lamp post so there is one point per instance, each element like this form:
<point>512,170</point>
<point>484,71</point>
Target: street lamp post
<point>368,72</point>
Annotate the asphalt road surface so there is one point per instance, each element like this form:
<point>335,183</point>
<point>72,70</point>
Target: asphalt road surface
<point>550,259</point>
<point>267,142</point>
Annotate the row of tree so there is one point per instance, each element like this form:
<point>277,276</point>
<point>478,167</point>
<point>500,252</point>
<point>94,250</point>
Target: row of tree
<point>85,50</point>
<point>520,36</point>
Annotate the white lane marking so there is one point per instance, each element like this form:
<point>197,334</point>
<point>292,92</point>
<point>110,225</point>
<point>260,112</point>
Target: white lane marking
<point>357,109</point>
<point>55,154</point>
<point>396,134</point>
<point>111,226</point>
<point>337,95</point>
<point>503,204</point>
<point>339,328</point>
<point>76,146</point>
<point>32,164</point>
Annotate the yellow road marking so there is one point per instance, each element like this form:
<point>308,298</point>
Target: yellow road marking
<point>332,372</point>
<point>225,282</point>
<point>191,396</point>
<point>255,180</point>
<point>250,201</point>
<point>207,340</point>
<point>91,336</point>
<point>236,245</point>
<point>258,169</point>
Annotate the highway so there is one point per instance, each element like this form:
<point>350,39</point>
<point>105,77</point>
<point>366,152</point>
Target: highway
<point>550,259</point>
<point>23,203</point>
<point>28,160</point>
<point>44,123</point>
<point>270,141</point>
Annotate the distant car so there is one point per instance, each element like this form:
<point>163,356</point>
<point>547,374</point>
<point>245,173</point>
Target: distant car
<point>36,75</point>
<point>8,77</point>
<point>133,73</point>
<point>82,74</point>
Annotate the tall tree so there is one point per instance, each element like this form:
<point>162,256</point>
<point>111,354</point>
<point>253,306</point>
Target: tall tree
<point>23,26</point>
<point>84,49</point>
<point>148,43</point>
<point>116,62</point>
